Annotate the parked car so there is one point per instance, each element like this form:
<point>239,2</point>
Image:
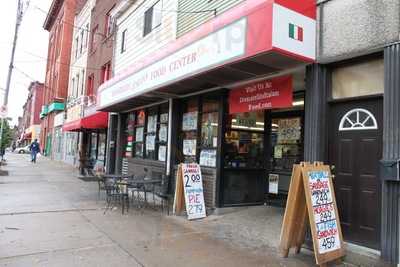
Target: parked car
<point>22,150</point>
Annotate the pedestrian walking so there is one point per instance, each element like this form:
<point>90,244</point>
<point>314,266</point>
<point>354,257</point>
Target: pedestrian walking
<point>2,153</point>
<point>34,148</point>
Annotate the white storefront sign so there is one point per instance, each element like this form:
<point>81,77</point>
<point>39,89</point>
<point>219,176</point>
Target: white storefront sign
<point>283,18</point>
<point>216,48</point>
<point>59,119</point>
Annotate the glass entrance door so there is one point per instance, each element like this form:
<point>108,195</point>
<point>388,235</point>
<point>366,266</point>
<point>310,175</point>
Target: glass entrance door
<point>244,160</point>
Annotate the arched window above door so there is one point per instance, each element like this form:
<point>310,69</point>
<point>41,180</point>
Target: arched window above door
<point>358,119</point>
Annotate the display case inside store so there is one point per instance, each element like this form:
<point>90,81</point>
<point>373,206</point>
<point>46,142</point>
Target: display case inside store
<point>286,150</point>
<point>244,141</point>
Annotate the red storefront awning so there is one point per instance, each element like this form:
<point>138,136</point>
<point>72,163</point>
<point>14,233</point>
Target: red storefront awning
<point>99,120</point>
<point>250,41</point>
<point>27,135</point>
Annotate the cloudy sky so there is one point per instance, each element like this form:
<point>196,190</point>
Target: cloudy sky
<point>31,53</point>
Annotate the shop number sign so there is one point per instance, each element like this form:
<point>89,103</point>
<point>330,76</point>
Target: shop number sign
<point>193,189</point>
<point>324,211</point>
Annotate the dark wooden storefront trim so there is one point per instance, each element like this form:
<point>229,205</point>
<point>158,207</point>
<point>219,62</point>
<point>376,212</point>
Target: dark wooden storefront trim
<point>316,112</point>
<point>391,152</point>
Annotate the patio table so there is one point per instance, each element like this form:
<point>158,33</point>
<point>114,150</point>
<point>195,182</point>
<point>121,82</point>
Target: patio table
<point>140,186</point>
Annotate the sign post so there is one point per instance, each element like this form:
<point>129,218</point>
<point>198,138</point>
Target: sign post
<point>311,195</point>
<point>189,189</point>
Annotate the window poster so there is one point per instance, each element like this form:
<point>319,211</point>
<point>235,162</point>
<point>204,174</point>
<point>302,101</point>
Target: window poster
<point>163,133</point>
<point>215,141</point>
<point>139,150</point>
<point>208,157</point>
<point>189,121</point>
<point>141,117</point>
<point>152,124</point>
<point>164,118</point>
<point>150,143</point>
<point>162,153</point>
<point>139,134</point>
<point>289,130</point>
<point>247,119</point>
<point>278,152</point>
<point>273,183</point>
<point>189,147</point>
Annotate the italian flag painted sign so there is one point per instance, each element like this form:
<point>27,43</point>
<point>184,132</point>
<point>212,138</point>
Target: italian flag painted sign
<point>295,32</point>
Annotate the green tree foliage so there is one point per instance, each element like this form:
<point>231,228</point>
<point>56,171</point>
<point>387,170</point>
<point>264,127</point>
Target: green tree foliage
<point>8,134</point>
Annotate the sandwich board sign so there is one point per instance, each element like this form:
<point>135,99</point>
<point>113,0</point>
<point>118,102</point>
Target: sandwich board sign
<point>311,194</point>
<point>189,189</point>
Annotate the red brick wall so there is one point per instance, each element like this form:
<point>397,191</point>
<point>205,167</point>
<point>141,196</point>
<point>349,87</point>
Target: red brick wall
<point>103,51</point>
<point>58,64</point>
<point>37,102</point>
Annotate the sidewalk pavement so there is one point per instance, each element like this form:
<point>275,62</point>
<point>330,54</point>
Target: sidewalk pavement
<point>49,217</point>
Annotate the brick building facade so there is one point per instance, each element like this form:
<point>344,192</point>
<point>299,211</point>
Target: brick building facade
<point>59,22</point>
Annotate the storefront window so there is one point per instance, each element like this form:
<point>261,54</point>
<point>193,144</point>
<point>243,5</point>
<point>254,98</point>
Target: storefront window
<point>71,141</point>
<point>189,130</point>
<point>244,141</point>
<point>286,142</point>
<point>58,140</point>
<point>163,134</point>
<point>93,147</point>
<point>151,134</point>
<point>200,131</point>
<point>209,133</point>
<point>147,133</point>
<point>139,133</point>
<point>102,147</point>
<point>130,133</point>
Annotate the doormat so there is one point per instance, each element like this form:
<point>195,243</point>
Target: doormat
<point>88,178</point>
<point>3,173</point>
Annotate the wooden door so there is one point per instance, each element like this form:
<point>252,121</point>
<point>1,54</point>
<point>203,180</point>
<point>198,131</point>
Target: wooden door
<point>355,148</point>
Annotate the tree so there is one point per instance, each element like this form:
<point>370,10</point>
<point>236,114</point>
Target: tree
<point>8,134</point>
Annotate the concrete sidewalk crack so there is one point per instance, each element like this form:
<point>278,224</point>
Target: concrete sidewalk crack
<point>48,211</point>
<point>52,251</point>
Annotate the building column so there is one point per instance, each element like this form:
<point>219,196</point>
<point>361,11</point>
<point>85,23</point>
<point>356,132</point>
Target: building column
<point>173,139</point>
<point>315,122</point>
<point>391,153</point>
<point>111,141</point>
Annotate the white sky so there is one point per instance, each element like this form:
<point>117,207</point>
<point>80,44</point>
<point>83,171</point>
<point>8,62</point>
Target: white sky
<point>31,52</point>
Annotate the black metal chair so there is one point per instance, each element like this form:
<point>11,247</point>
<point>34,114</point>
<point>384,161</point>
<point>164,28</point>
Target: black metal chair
<point>101,184</point>
<point>114,194</point>
<point>162,192</point>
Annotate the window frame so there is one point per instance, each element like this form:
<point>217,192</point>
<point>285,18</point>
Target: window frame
<point>93,39</point>
<point>82,34</point>
<point>148,18</point>
<point>90,85</point>
<point>123,41</point>
<point>76,46</point>
<point>108,23</point>
<point>157,111</point>
<point>105,72</point>
<point>199,130</point>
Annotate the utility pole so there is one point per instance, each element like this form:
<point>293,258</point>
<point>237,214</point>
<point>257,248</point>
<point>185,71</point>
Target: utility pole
<point>20,13</point>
